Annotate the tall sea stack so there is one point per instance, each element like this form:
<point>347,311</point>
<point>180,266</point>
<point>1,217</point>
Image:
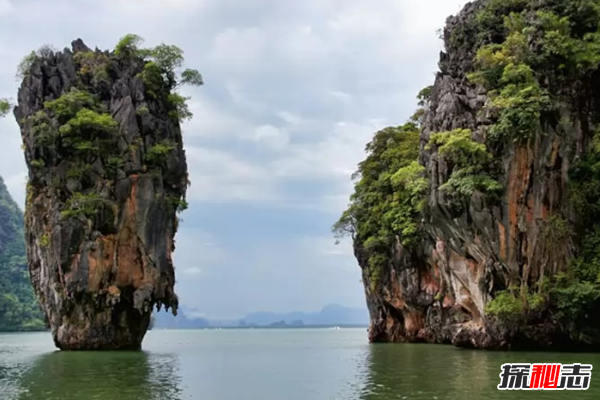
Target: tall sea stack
<point>478,222</point>
<point>107,175</point>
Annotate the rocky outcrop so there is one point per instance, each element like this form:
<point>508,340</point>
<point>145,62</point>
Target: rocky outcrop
<point>107,173</point>
<point>475,249</point>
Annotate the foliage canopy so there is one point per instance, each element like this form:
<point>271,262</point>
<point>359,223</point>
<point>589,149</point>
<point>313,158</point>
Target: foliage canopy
<point>4,107</point>
<point>19,309</point>
<point>531,56</point>
<point>388,195</point>
<point>163,71</point>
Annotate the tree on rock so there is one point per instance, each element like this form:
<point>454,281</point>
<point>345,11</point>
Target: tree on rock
<point>107,177</point>
<point>4,107</point>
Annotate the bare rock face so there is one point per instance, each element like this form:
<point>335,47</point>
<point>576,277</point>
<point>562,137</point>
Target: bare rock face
<point>107,173</point>
<point>438,292</point>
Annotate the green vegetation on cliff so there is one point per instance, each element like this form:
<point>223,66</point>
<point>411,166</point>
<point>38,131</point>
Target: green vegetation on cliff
<point>19,310</point>
<point>25,65</point>
<point>470,161</point>
<point>159,73</point>
<point>101,133</point>
<point>537,61</point>
<point>387,198</point>
<point>4,107</point>
<point>533,60</point>
<point>80,132</point>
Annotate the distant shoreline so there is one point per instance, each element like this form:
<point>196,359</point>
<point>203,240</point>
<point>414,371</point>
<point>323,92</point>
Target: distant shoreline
<point>214,328</point>
<point>263,327</point>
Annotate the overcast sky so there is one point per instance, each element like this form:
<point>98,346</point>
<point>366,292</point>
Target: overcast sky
<point>293,91</point>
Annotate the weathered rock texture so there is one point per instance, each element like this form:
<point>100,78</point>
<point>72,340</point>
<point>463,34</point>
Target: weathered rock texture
<point>100,220</point>
<point>438,292</point>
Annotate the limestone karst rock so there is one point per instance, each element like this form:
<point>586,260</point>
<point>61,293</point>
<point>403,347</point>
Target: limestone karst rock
<point>506,252</point>
<point>107,175</point>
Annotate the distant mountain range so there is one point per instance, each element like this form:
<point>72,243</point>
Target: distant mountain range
<point>330,315</point>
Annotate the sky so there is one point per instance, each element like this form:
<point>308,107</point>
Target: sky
<point>293,92</point>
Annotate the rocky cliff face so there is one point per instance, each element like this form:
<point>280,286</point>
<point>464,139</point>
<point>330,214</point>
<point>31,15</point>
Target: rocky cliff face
<point>107,173</point>
<point>505,256</point>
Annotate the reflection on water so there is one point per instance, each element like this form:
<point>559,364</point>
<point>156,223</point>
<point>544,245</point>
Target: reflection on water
<point>106,375</point>
<point>405,371</point>
<point>301,364</point>
<point>414,371</point>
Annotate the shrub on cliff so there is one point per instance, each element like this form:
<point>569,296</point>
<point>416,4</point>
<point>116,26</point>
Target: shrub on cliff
<point>470,162</point>
<point>531,56</point>
<point>160,71</point>
<point>388,196</point>
<point>4,107</point>
<point>78,128</point>
<point>27,62</point>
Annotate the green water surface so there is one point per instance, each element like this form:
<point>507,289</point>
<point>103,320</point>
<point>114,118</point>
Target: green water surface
<point>286,364</point>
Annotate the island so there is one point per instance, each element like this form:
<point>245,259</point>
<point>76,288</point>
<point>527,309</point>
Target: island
<point>476,223</point>
<point>107,176</point>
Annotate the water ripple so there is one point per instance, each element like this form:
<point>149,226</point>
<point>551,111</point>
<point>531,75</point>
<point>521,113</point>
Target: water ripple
<point>262,365</point>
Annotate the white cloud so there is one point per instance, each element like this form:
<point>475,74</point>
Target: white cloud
<point>344,97</point>
<point>272,137</point>
<point>16,185</point>
<point>220,176</point>
<point>293,92</point>
<point>289,117</point>
<point>239,50</point>
<point>210,121</point>
<point>192,256</point>
<point>156,5</point>
<point>326,246</point>
<point>371,43</point>
<point>12,160</point>
<point>245,99</point>
<point>310,46</point>
<point>336,155</point>
<point>5,7</point>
